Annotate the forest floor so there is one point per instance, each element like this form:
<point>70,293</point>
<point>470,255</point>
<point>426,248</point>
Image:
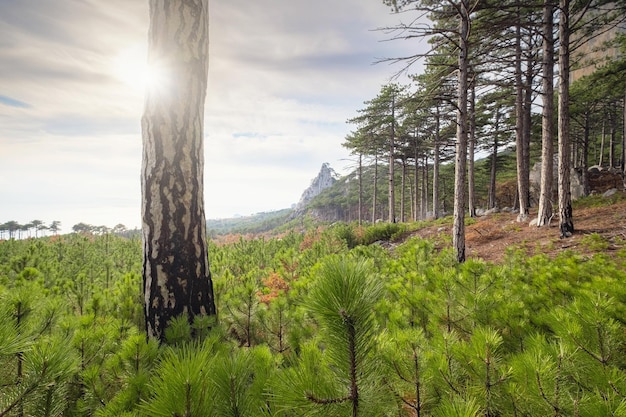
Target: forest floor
<point>598,228</point>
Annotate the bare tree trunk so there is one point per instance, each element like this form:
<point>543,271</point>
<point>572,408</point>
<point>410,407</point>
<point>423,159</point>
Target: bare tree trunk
<point>403,191</point>
<point>424,208</point>
<point>602,140</point>
<point>624,145</point>
<point>566,222</point>
<point>544,214</point>
<point>374,196</point>
<point>458,228</point>
<point>585,156</point>
<point>177,279</point>
<point>470,157</point>
<point>419,194</point>
<point>519,125</point>
<point>612,118</point>
<point>392,149</point>
<point>360,189</point>
<point>494,161</point>
<point>436,167</point>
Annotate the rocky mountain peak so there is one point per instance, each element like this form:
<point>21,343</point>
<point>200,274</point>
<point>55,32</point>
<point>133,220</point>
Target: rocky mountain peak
<point>325,179</point>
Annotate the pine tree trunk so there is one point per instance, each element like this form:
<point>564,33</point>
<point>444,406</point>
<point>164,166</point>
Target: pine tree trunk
<point>471,199</point>
<point>392,148</point>
<point>375,192</point>
<point>436,167</point>
<point>585,156</point>
<point>566,222</point>
<point>624,146</point>
<point>494,161</point>
<point>403,191</point>
<point>424,208</point>
<point>458,228</point>
<point>545,213</point>
<point>176,274</point>
<point>520,144</point>
<point>360,188</point>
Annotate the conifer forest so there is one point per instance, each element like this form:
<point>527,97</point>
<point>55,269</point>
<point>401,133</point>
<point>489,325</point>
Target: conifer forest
<point>326,321</point>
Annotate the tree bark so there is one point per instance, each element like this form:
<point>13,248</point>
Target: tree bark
<point>624,145</point>
<point>544,213</point>
<point>494,161</point>
<point>566,222</point>
<point>392,148</point>
<point>458,228</point>
<point>375,191</point>
<point>522,184</point>
<point>436,166</point>
<point>471,187</point>
<point>177,279</point>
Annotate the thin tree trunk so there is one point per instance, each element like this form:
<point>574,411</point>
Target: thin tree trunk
<point>602,140</point>
<point>360,188</point>
<point>519,125</point>
<point>494,161</point>
<point>470,157</point>
<point>458,228</point>
<point>566,222</point>
<point>418,195</point>
<point>624,145</point>
<point>392,148</point>
<point>612,118</point>
<point>424,208</point>
<point>436,167</point>
<point>403,191</point>
<point>375,188</point>
<point>585,156</point>
<point>177,279</point>
<point>544,213</point>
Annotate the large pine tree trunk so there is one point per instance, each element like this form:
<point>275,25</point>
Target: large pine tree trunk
<point>458,228</point>
<point>566,222</point>
<point>544,213</point>
<point>177,280</point>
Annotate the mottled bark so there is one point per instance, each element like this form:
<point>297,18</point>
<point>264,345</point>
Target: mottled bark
<point>458,228</point>
<point>566,222</point>
<point>544,213</point>
<point>177,280</point>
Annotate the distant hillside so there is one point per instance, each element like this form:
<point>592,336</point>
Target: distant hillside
<point>254,224</point>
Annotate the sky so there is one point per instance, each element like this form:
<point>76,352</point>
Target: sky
<point>284,77</point>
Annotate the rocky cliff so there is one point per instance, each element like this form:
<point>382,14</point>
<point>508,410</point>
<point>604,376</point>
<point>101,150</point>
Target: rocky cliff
<point>325,179</point>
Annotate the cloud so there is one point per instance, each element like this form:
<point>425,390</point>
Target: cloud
<point>283,79</point>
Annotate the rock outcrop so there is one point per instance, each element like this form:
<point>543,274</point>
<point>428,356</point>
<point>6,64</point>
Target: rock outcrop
<point>325,179</point>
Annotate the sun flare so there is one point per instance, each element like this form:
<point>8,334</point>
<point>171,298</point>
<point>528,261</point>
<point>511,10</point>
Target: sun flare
<point>130,67</point>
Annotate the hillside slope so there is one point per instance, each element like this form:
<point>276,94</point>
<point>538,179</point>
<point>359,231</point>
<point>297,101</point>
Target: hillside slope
<point>600,227</point>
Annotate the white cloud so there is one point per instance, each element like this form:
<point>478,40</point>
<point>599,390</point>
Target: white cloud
<point>283,79</point>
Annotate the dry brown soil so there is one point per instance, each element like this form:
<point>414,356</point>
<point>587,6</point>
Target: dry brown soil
<point>489,237</point>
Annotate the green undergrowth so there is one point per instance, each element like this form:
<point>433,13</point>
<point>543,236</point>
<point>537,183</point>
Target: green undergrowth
<point>322,323</point>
